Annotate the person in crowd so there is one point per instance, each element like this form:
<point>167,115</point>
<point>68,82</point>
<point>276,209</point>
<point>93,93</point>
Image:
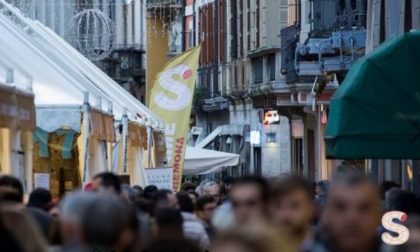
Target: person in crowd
<point>138,192</point>
<point>18,231</point>
<point>399,200</point>
<point>108,182</point>
<point>321,191</point>
<point>168,224</point>
<point>149,191</point>
<point>291,206</point>
<point>350,217</point>
<point>40,198</point>
<point>213,189</point>
<point>204,210</point>
<point>128,193</point>
<point>95,222</point>
<point>187,187</point>
<point>14,186</point>
<point>164,199</point>
<point>227,184</point>
<point>192,226</point>
<point>385,186</point>
<point>249,195</point>
<point>193,196</point>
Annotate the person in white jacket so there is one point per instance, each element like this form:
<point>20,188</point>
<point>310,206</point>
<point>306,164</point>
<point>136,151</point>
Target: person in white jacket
<point>193,228</point>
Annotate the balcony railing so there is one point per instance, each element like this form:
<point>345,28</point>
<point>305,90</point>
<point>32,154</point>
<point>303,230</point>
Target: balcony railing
<point>164,3</point>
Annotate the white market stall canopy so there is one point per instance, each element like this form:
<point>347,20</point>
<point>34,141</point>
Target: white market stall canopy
<point>77,69</point>
<point>202,161</point>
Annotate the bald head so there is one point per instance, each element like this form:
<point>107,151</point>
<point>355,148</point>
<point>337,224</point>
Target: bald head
<point>352,213</point>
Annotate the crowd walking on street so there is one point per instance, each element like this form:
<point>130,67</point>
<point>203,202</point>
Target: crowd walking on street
<point>242,214</point>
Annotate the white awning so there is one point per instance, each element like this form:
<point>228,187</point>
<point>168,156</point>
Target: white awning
<point>202,161</point>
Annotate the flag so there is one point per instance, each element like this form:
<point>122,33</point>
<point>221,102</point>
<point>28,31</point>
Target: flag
<point>171,99</point>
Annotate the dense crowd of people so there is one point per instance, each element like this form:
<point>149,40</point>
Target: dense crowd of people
<point>244,214</point>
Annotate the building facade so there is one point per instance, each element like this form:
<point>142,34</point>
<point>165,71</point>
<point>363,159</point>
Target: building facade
<point>269,67</point>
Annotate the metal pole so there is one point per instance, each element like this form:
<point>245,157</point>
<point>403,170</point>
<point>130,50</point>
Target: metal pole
<point>86,127</point>
<point>124,141</point>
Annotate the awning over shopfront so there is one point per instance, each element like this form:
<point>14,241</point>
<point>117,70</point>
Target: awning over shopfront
<point>376,111</point>
<point>201,161</point>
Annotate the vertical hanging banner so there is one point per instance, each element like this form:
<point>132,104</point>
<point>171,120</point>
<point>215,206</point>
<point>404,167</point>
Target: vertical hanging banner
<point>171,99</point>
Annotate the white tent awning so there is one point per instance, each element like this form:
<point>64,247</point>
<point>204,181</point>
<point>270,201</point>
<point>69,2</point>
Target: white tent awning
<point>202,161</point>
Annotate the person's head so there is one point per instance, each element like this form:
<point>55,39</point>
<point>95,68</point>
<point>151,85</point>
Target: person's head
<point>40,198</point>
<point>165,199</point>
<point>93,220</point>
<point>193,196</point>
<point>149,191</point>
<point>12,183</point>
<point>185,202</point>
<point>352,213</point>
<point>9,195</point>
<point>213,189</point>
<point>107,181</point>
<point>188,186</point>
<point>291,205</point>
<point>322,187</point>
<point>168,223</point>
<point>385,186</point>
<point>18,231</point>
<point>227,182</point>
<point>248,196</point>
<point>205,208</point>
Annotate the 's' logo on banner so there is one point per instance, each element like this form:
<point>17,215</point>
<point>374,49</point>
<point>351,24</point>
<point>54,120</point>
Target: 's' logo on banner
<point>402,233</point>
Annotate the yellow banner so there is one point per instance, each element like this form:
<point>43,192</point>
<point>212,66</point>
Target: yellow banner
<point>171,99</point>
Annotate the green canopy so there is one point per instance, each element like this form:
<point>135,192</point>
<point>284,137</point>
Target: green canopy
<point>376,111</point>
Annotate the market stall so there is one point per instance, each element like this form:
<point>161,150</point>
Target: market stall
<point>17,121</point>
<point>202,161</point>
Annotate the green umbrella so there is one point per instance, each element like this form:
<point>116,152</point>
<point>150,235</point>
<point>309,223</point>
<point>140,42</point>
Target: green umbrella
<point>376,111</point>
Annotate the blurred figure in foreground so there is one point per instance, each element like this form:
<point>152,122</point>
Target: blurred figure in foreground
<point>95,221</point>
<point>18,232</point>
<point>249,196</point>
<point>13,193</point>
<point>168,224</point>
<point>40,198</point>
<point>291,206</point>
<point>255,238</point>
<point>350,218</point>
